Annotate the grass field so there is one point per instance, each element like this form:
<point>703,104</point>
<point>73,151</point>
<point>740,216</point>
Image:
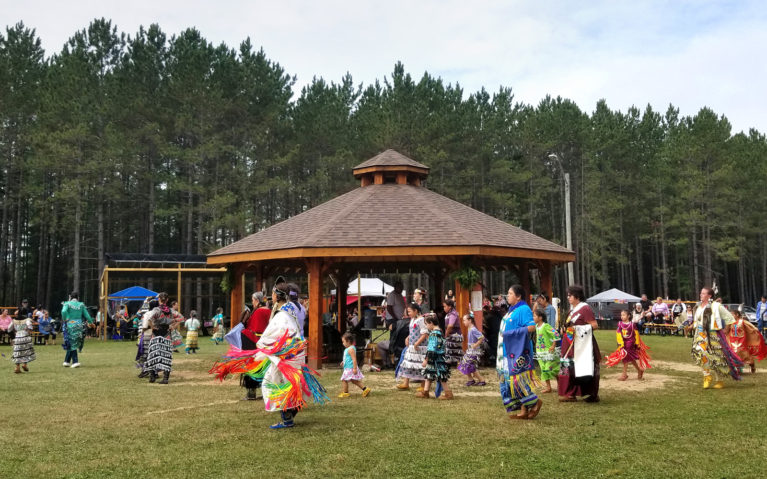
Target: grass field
<point>101,421</point>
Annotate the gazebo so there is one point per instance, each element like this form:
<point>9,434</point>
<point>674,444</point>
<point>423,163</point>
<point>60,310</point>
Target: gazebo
<point>331,239</point>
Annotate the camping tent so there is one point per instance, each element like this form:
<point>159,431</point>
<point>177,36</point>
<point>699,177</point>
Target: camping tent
<point>608,302</point>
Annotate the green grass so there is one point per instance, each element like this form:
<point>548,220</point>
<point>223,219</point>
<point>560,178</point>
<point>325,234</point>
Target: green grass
<point>102,421</point>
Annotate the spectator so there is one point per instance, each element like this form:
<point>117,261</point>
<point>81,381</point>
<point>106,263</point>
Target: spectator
<point>46,329</point>
<point>679,314</point>
<point>761,314</point>
<point>646,303</point>
<point>395,310</point>
<point>551,312</point>
<point>5,322</point>
<point>420,298</point>
<point>450,295</point>
<point>660,313</point>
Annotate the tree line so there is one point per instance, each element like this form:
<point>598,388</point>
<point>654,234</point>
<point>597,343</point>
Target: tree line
<point>148,143</point>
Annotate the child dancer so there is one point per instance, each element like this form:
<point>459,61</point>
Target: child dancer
<point>218,324</point>
<point>746,341</point>
<point>469,364</point>
<point>546,351</point>
<point>410,366</point>
<point>175,336</point>
<point>631,349</point>
<point>352,373</point>
<point>192,325</point>
<point>435,367</point>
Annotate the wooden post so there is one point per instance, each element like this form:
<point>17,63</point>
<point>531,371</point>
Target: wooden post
<point>524,273</point>
<point>104,303</point>
<point>546,287</point>
<point>237,295</point>
<point>259,280</point>
<point>314,356</point>
<point>178,287</point>
<point>478,312</point>
<point>343,281</point>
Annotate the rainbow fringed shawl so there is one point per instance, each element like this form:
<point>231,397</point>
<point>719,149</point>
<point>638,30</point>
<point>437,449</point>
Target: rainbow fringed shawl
<point>286,380</point>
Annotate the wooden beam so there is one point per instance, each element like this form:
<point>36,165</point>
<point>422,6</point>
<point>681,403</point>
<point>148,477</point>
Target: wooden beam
<point>343,282</point>
<point>398,168</point>
<point>546,285</point>
<point>392,254</point>
<point>170,270</point>
<point>314,356</point>
<point>236,296</point>
<point>401,178</point>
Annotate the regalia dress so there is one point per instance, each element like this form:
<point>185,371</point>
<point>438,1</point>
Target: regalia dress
<point>579,363</point>
<point>23,350</point>
<point>279,363</point>
<point>470,361</point>
<point>545,337</point>
<point>411,365</point>
<point>218,323</point>
<point>630,347</point>
<point>710,348</point>
<point>514,363</point>
<point>437,369</point>
<point>746,342</point>
<point>453,341</point>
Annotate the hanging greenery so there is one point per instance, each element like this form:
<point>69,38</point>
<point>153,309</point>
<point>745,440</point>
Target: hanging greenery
<point>227,281</point>
<point>467,276</point>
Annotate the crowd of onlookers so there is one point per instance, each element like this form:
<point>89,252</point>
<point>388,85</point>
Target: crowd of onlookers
<point>45,327</point>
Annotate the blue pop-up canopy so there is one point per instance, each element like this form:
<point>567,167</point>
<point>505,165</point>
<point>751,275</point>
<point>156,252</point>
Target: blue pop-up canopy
<point>133,293</point>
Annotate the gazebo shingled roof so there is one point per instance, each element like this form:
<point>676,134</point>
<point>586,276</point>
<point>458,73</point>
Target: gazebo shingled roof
<point>350,229</point>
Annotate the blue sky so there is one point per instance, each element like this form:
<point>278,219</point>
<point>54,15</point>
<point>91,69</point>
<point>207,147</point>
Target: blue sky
<point>691,54</point>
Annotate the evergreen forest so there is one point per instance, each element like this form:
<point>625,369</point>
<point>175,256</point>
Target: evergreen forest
<point>152,142</point>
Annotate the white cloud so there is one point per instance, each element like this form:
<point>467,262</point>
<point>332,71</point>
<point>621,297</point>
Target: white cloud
<point>691,54</point>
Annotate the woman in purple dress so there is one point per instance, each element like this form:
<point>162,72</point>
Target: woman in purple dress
<point>631,349</point>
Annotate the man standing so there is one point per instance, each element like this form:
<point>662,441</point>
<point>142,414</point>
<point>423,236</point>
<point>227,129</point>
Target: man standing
<point>395,310</point>
<point>74,316</point>
<point>761,314</point>
<point>710,347</point>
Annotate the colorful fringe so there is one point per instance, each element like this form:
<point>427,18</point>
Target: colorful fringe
<point>643,359</point>
<point>519,390</point>
<point>732,359</point>
<point>299,381</point>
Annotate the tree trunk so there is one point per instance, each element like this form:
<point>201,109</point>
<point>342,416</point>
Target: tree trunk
<point>640,269</point>
<point>76,248</point>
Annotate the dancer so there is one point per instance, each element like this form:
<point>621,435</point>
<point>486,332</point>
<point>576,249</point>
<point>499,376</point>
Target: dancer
<point>435,367</point>
<point>23,349</point>
<point>192,325</point>
<point>710,348</point>
<point>631,348</point>
<point>279,361</point>
<point>160,351</point>
<point>410,366</point>
<point>746,341</point>
<point>175,337</point>
<point>144,335</point>
<point>218,325</point>
<point>249,337</point>
<point>453,336</point>
<point>469,364</point>
<point>579,364</point>
<point>352,373</point>
<point>514,363</point>
<point>547,342</point>
<point>73,315</point>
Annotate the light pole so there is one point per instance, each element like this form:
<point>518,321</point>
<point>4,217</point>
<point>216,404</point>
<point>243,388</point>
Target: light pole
<point>568,227</point>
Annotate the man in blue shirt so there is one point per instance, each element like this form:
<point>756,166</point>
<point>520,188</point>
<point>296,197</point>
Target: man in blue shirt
<point>761,310</point>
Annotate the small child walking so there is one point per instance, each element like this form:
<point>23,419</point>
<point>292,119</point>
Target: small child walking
<point>631,349</point>
<point>469,364</point>
<point>435,367</point>
<point>218,326</point>
<point>192,325</point>
<point>546,348</point>
<point>352,373</point>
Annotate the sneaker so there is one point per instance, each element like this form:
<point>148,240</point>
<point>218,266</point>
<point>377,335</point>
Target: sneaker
<point>481,383</point>
<point>366,392</point>
<point>344,395</point>
<point>75,365</point>
<point>374,368</point>
<point>65,364</point>
<point>471,383</point>
<point>282,425</point>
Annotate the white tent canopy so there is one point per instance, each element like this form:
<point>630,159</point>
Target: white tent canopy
<point>613,296</point>
<point>368,287</point>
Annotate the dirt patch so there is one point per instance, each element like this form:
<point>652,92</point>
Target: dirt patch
<point>686,367</point>
<point>650,381</point>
